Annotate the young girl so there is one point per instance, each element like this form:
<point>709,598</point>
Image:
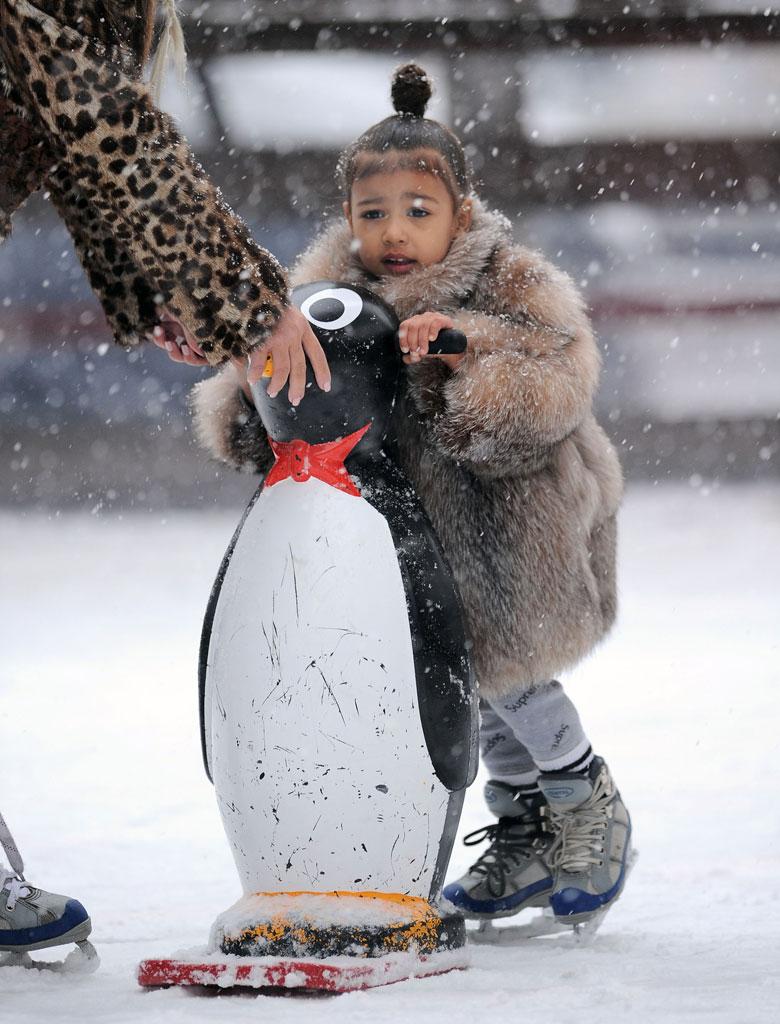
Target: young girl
<point>519,481</point>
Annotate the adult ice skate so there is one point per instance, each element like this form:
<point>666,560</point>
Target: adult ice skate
<point>33,919</point>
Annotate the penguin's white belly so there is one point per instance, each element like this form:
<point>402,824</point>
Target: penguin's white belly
<point>317,751</point>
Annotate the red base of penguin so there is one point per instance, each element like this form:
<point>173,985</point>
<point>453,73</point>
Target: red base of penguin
<point>337,975</point>
<point>331,941</point>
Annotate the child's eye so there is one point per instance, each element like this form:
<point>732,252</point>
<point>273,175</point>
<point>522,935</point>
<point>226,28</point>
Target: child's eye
<point>417,211</point>
<point>371,214</point>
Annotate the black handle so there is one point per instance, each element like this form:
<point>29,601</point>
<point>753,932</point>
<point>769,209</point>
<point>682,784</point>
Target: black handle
<point>448,342</point>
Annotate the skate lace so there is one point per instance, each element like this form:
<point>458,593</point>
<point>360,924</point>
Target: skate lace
<point>580,833</point>
<point>508,848</point>
<point>16,888</point>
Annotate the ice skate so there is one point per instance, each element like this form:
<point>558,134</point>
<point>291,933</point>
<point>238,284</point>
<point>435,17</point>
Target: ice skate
<point>538,926</point>
<point>511,874</point>
<point>590,854</point>
<point>32,919</point>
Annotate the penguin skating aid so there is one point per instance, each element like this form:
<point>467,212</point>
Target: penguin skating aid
<point>338,707</point>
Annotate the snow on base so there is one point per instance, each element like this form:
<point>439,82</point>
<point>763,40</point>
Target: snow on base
<point>318,910</point>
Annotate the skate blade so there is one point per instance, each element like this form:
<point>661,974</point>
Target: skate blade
<point>585,931</point>
<point>335,974</point>
<point>486,933</point>
<point>81,960</point>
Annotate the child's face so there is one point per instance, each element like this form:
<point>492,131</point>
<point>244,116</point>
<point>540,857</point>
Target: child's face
<point>403,219</point>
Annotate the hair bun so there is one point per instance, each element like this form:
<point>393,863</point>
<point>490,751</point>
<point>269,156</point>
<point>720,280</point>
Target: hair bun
<point>411,90</point>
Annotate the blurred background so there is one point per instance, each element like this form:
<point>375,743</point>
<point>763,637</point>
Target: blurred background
<point>635,143</point>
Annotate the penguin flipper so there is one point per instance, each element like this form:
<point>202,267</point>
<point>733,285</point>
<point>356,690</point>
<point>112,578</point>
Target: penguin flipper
<point>206,638</point>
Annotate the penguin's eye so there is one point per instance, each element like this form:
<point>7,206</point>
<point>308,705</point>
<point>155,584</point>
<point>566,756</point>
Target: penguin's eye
<point>332,308</point>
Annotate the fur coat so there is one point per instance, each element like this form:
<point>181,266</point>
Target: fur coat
<point>148,225</point>
<point>521,484</point>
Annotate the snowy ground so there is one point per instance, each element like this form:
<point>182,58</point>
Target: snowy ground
<point>100,773</point>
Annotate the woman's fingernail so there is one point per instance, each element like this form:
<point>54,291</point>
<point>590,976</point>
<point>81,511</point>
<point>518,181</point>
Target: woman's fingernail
<point>326,386</point>
<point>169,346</point>
<point>185,350</point>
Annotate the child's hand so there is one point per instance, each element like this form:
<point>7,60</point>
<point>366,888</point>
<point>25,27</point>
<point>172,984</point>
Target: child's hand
<point>416,333</point>
<point>290,344</point>
<point>172,336</point>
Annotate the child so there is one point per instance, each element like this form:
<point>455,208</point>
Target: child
<point>519,481</point>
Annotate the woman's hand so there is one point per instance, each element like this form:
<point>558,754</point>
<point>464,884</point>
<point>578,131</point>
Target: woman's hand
<point>289,345</point>
<point>172,336</point>
<point>416,334</point>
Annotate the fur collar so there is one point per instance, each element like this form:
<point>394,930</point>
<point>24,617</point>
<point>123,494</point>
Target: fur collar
<point>440,286</point>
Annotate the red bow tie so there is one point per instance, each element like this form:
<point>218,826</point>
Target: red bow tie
<point>300,460</point>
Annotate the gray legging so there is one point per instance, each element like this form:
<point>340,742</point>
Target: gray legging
<point>530,730</point>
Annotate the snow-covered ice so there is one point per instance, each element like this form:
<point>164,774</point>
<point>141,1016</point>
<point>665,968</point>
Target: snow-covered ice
<point>103,787</point>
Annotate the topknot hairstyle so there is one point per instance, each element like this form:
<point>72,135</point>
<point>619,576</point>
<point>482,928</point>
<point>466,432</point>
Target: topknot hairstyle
<point>397,141</point>
<point>411,90</point>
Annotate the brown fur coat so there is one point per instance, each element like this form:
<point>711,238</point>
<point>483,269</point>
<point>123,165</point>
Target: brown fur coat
<point>148,225</point>
<point>519,481</point>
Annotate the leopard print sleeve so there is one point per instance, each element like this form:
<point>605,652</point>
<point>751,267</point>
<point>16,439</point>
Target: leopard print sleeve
<point>26,159</point>
<point>129,299</point>
<point>174,238</point>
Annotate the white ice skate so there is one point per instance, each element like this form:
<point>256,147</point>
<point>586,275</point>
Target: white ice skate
<point>591,854</point>
<point>588,849</point>
<point>32,919</point>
